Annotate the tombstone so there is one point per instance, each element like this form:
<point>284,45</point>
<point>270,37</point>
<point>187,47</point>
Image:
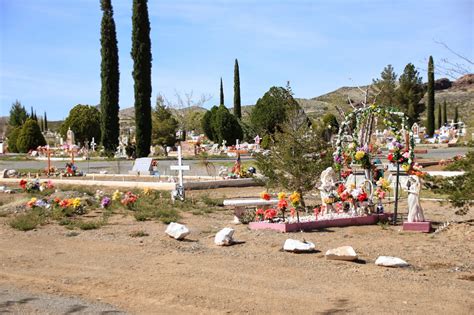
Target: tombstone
<point>142,166</point>
<point>70,137</point>
<point>223,145</point>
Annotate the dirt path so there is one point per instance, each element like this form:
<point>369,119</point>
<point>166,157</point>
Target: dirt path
<point>156,274</point>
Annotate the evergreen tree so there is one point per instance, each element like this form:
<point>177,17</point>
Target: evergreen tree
<point>40,124</point>
<point>207,125</point>
<point>440,117</point>
<point>84,121</point>
<point>18,115</point>
<point>237,104</point>
<point>164,126</point>
<point>141,55</point>
<point>12,139</point>
<point>45,122</point>
<point>31,113</point>
<point>410,93</point>
<point>110,76</point>
<point>456,116</point>
<point>385,86</point>
<point>222,94</point>
<point>445,114</point>
<point>430,99</point>
<point>30,137</point>
<point>35,117</point>
<point>226,126</point>
<point>270,110</point>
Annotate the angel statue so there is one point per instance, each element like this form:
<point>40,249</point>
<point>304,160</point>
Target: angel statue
<point>413,187</point>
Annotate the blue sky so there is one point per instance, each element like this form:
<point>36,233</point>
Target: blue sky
<point>50,49</point>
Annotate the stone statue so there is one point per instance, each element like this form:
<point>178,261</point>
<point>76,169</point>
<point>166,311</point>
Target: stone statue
<point>328,185</point>
<point>70,137</point>
<point>413,187</point>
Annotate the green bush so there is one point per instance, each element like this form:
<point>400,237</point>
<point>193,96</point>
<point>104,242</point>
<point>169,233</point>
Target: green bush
<point>30,137</point>
<point>13,138</point>
<point>27,221</point>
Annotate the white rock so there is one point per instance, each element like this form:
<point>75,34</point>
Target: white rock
<point>342,253</point>
<point>388,261</point>
<point>176,230</point>
<point>224,237</point>
<point>298,246</point>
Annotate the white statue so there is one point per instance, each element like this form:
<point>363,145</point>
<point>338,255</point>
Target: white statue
<point>413,187</point>
<point>328,185</point>
<point>70,137</point>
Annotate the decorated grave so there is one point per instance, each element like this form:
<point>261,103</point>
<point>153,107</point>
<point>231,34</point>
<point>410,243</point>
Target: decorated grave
<point>354,191</point>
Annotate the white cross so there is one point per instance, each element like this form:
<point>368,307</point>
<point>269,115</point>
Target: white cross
<point>93,144</point>
<point>180,167</point>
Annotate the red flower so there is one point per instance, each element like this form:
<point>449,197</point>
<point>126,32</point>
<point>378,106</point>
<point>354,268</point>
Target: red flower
<point>341,189</point>
<point>292,212</point>
<point>270,213</point>
<point>260,212</point>
<point>23,184</point>
<point>362,196</point>
<point>265,196</point>
<point>282,204</point>
<point>316,211</point>
<point>390,157</point>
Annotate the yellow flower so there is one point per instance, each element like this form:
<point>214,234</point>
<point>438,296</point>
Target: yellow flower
<point>295,198</point>
<point>117,195</point>
<point>33,200</point>
<point>281,195</point>
<point>146,191</point>
<point>359,155</point>
<point>405,167</point>
<point>76,202</point>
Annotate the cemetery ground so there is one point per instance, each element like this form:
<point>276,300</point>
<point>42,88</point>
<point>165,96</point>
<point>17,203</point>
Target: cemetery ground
<point>134,267</point>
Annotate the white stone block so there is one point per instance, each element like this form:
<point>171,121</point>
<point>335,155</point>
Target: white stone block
<point>177,231</point>
<point>388,261</point>
<point>224,237</point>
<point>298,246</point>
<point>342,253</point>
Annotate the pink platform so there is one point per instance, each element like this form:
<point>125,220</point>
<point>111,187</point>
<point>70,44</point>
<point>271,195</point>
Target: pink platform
<point>424,227</point>
<point>307,226</point>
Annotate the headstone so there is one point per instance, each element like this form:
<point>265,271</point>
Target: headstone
<point>342,253</point>
<point>93,144</point>
<point>224,237</point>
<point>177,231</point>
<point>298,246</point>
<point>142,166</point>
<point>388,261</point>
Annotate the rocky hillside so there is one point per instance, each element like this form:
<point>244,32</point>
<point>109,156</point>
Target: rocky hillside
<point>459,93</point>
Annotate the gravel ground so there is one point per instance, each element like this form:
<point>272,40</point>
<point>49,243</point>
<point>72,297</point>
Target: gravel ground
<point>17,301</point>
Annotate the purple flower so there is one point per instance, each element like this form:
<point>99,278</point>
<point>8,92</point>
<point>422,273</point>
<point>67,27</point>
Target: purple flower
<point>105,202</point>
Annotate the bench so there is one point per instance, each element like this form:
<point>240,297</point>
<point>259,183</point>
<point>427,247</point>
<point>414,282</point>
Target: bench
<point>239,206</point>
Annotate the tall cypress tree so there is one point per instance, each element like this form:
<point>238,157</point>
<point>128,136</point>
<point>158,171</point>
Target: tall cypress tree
<point>237,104</point>
<point>456,116</point>
<point>440,120</point>
<point>431,99</point>
<point>110,76</point>
<point>141,55</point>
<point>222,94</point>
<point>445,114</point>
<point>45,122</point>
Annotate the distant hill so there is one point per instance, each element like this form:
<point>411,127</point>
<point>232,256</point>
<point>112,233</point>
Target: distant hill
<point>458,93</point>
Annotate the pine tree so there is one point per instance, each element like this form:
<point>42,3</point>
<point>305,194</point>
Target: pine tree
<point>18,115</point>
<point>110,76</point>
<point>45,122</point>
<point>237,104</point>
<point>440,118</point>
<point>409,93</point>
<point>40,124</point>
<point>445,114</point>
<point>221,94</point>
<point>385,86</point>
<point>431,99</point>
<point>31,113</point>
<point>141,55</point>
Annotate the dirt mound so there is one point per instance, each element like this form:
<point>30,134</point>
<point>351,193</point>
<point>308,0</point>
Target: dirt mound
<point>464,81</point>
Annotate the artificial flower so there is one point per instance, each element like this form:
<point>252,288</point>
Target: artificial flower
<point>270,214</point>
<point>282,204</point>
<point>359,155</point>
<point>281,195</point>
<point>265,196</point>
<point>295,198</point>
<point>362,196</point>
<point>117,195</point>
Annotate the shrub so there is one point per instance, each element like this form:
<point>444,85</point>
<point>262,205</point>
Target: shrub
<point>30,137</point>
<point>13,138</point>
<point>88,225</point>
<point>138,234</point>
<point>27,221</point>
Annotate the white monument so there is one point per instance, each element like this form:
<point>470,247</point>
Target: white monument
<point>70,137</point>
<point>413,187</point>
